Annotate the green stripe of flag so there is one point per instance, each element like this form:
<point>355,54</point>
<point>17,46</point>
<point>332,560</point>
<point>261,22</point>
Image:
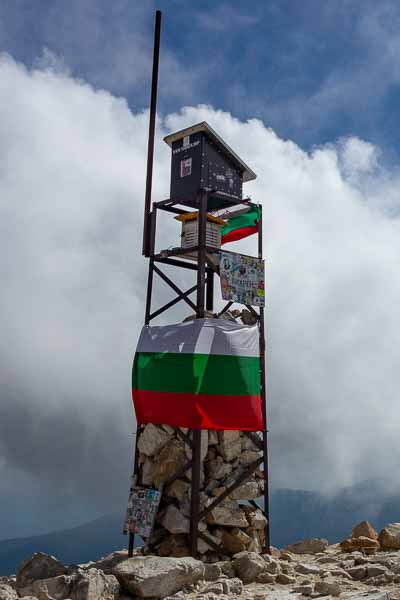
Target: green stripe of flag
<point>196,373</point>
<point>248,219</point>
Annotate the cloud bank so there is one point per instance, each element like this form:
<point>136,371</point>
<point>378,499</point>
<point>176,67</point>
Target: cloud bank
<point>72,172</point>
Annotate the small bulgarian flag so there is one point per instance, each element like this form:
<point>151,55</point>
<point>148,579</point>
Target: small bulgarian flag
<point>202,374</point>
<point>241,226</point>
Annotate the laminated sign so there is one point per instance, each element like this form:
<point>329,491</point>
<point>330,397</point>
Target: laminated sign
<point>142,509</point>
<point>242,278</point>
<point>202,374</point>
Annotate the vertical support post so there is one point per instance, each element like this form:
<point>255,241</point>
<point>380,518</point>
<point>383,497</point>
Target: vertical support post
<point>131,543</point>
<point>151,245</point>
<point>264,398</point>
<point>152,127</point>
<point>201,254</point>
<point>210,290</point>
<point>196,433</point>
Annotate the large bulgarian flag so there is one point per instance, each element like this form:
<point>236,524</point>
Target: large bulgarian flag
<point>241,226</point>
<point>202,374</point>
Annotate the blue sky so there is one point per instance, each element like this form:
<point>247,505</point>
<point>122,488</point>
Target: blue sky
<point>313,71</point>
<point>323,80</point>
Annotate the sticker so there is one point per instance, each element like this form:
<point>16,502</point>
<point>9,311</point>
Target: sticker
<point>186,167</point>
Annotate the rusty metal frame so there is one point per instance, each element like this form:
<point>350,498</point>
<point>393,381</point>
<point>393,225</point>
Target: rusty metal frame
<point>204,288</point>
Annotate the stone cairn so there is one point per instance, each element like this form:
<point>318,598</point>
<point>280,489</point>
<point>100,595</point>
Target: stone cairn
<point>234,525</point>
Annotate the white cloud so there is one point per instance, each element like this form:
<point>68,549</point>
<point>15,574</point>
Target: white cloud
<point>72,174</point>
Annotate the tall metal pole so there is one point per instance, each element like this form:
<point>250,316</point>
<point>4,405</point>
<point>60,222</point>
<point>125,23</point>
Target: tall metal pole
<point>152,127</point>
<point>196,433</point>
<point>264,397</point>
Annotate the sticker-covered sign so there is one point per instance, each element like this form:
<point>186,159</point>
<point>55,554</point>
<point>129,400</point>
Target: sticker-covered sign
<point>186,167</point>
<point>142,510</point>
<point>242,278</point>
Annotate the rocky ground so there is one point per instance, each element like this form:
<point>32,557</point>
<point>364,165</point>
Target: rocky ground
<point>365,566</point>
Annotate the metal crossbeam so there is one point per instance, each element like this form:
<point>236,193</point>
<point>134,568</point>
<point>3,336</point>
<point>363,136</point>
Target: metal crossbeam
<point>184,437</point>
<point>209,541</point>
<point>239,481</point>
<point>179,473</point>
<point>178,298</point>
<point>254,438</point>
<point>225,309</point>
<point>167,280</point>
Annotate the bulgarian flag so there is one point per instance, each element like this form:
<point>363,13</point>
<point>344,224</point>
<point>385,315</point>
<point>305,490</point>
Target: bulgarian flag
<point>202,374</point>
<point>241,226</point>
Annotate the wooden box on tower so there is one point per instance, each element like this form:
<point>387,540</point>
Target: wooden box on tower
<point>201,160</point>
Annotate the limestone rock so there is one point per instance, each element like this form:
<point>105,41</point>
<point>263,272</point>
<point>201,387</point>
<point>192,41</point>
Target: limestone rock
<point>233,586</point>
<point>203,547</point>
<point>110,561</point>
<point>152,439</point>
<point>375,595</point>
<point>178,489</point>
<point>171,458</point>
<point>311,546</point>
<point>248,491</point>
<point>248,566</point>
<point>227,568</point>
<point>53,588</point>
<point>174,521</point>
<point>389,537</point>
<point>92,584</point>
<point>149,468</point>
<point>340,573</point>
<point>248,456</point>
<point>256,543</point>
<point>374,570</point>
<point>364,529</point>
<point>271,564</point>
<point>95,585</point>
<point>285,579</point>
<point>306,569</point>
<point>7,592</point>
<point>40,566</point>
<point>212,572</point>
<point>247,317</point>
<point>265,577</point>
<point>218,468</point>
<point>256,518</point>
<point>174,545</point>
<point>358,572</point>
<point>227,514</point>
<point>212,437</point>
<point>155,577</point>
<point>305,589</point>
<point>359,543</point>
<point>328,587</point>
<point>235,541</point>
<point>230,444</point>
<point>248,444</point>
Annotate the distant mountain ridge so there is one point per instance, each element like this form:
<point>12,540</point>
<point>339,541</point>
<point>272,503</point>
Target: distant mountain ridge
<point>295,515</point>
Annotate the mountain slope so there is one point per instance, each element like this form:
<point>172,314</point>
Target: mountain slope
<point>295,515</point>
<point>77,545</point>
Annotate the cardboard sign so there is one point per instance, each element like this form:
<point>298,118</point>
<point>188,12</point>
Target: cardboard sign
<point>142,510</point>
<point>242,278</point>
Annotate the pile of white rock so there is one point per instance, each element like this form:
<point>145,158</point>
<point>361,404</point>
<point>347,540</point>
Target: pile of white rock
<point>234,525</point>
<point>309,569</point>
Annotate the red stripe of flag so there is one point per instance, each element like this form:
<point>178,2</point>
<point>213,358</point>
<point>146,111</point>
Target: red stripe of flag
<point>198,411</point>
<point>238,234</point>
